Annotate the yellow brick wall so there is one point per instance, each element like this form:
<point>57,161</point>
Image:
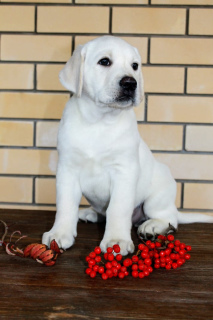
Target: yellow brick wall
<point>175,40</point>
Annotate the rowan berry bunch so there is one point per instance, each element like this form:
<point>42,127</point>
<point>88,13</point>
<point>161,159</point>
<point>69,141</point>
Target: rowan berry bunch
<point>165,252</point>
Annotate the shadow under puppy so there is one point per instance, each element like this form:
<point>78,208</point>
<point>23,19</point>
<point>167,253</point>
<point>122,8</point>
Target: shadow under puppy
<point>101,153</point>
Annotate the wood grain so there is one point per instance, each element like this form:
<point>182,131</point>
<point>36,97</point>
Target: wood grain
<point>32,291</point>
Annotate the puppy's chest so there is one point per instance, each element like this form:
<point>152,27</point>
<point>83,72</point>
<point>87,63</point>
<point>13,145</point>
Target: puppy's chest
<point>95,183</point>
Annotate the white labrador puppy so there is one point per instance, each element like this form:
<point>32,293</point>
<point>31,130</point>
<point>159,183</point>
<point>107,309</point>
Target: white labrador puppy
<point>102,156</point>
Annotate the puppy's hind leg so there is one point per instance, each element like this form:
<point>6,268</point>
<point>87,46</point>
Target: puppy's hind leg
<point>90,215</point>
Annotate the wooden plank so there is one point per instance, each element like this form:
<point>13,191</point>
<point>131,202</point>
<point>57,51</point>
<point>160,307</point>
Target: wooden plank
<point>32,291</point>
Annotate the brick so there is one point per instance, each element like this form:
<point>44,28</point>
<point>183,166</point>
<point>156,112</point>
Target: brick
<point>45,189</point>
<point>27,161</point>
<point>32,105</point>
<point>182,2</point>
<point>112,1</point>
<point>16,133</point>
<point>199,80</point>
<point>73,19</point>
<point>199,138</point>
<point>47,77</point>
<point>141,43</point>
<point>17,18</point>
<point>28,207</point>
<point>180,109</point>
<point>16,76</point>
<point>46,133</point>
<point>188,166</point>
<point>35,48</point>
<point>16,189</point>
<point>198,196</point>
<point>162,137</point>
<point>148,20</point>
<point>201,21</point>
<point>139,111</point>
<point>163,79</point>
<point>181,51</point>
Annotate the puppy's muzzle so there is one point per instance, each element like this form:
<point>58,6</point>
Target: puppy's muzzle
<point>128,85</point>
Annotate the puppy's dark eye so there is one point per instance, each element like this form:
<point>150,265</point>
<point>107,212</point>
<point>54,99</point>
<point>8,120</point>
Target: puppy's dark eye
<point>135,66</point>
<point>105,62</point>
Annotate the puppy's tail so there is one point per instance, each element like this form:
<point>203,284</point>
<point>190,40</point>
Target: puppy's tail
<point>191,217</point>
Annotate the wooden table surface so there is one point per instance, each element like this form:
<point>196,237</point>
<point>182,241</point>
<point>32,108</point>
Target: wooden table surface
<point>32,291</point>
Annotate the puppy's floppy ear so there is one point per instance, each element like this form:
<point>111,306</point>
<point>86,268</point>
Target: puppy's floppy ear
<point>71,76</point>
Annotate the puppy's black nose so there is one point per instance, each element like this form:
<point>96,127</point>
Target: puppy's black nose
<point>128,83</point>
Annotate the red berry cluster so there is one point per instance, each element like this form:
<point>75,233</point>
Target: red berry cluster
<point>165,252</point>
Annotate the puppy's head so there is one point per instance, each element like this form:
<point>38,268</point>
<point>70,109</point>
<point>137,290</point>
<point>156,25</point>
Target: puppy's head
<point>106,69</point>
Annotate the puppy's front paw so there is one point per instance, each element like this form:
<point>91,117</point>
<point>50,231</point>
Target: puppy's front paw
<point>126,246</point>
<point>63,236</point>
<point>153,227</point>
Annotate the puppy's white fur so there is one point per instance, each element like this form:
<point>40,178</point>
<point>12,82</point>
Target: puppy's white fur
<point>102,156</point>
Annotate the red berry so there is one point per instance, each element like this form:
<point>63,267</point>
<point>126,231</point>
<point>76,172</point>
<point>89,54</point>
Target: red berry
<point>156,255</point>
<point>156,266</point>
<point>114,263</point>
<point>101,270</point>
<point>173,256</point>
<point>174,265</point>
<point>182,252</point>
<point>188,248</point>
<point>98,258</point>
<point>187,256</point>
<point>170,237</point>
<point>106,256</point>
<point>144,255</point>
<point>118,266</point>
<point>114,271</point>
<point>170,245</point>
<point>157,244</point>
<point>167,252</point>
<point>146,273</point>
<point>88,270</point>
<point>148,242</point>
<point>126,262</point>
<point>123,269</point>
<point>135,259</point>
<point>148,261</point>
<point>92,274</point>
<point>135,274</point>
<point>134,267</point>
<point>141,275</point>
<point>92,255</point>
<point>168,266</point>
<point>141,267</point>
<point>182,245</point>
<point>87,258</point>
<point>150,269</point>
<point>95,268</point>
<point>145,249</point>
<point>162,253</point>
<point>109,273</point>
<point>177,249</point>
<point>126,273</point>
<point>110,256</point>
<point>108,265</point>
<point>141,246</point>
<point>121,275</point>
<point>116,248</point>
<point>118,257</point>
<point>157,261</point>
<point>109,250</point>
<point>97,250</point>
<point>161,237</point>
<point>177,243</point>
<point>92,262</point>
<point>179,262</point>
<point>104,276</point>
